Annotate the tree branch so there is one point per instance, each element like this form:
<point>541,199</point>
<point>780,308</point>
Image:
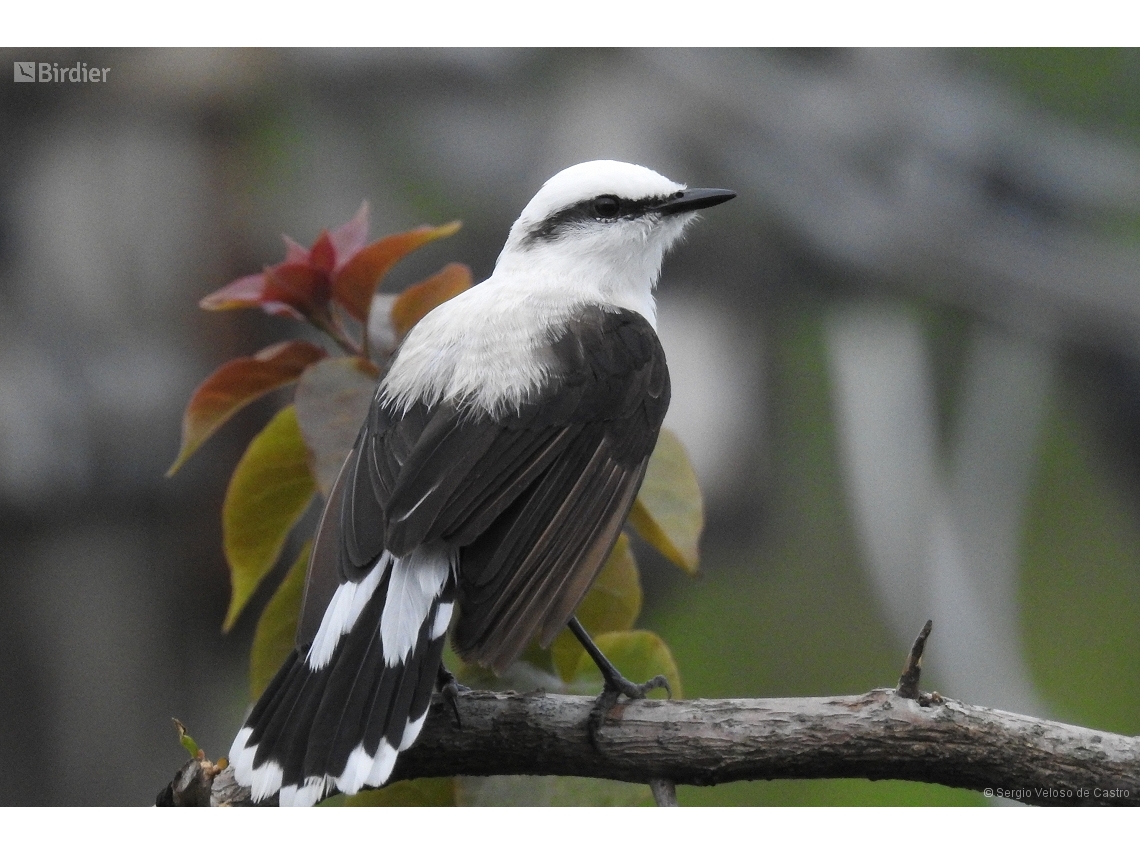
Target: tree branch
<point>908,681</point>
<point>878,735</point>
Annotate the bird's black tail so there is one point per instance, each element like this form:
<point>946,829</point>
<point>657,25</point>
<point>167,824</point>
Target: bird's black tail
<point>339,712</point>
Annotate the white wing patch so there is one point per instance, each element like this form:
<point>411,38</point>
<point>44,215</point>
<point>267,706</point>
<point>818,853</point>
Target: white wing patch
<point>342,612</point>
<point>442,619</point>
<point>355,771</point>
<point>382,768</point>
<point>266,780</point>
<point>417,580</point>
<point>241,756</point>
<point>411,732</point>
<point>307,795</point>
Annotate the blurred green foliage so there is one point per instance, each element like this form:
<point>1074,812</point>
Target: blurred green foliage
<point>1096,87</point>
<point>797,617</point>
<point>1080,582</point>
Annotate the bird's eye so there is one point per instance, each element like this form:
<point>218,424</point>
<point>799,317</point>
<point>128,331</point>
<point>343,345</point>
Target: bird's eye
<point>606,207</point>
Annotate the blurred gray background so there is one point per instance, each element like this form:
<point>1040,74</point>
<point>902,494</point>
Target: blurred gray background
<point>906,362</point>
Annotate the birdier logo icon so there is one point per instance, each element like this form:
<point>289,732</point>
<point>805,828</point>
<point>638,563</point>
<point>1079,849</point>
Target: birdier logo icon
<point>53,72</point>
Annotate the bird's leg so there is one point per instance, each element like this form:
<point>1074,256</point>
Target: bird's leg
<point>450,688</point>
<point>615,684</point>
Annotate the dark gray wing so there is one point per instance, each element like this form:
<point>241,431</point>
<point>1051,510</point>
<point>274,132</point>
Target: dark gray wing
<point>535,498</point>
<point>531,567</point>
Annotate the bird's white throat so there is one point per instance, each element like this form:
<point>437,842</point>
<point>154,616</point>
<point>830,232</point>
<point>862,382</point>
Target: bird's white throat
<point>487,346</point>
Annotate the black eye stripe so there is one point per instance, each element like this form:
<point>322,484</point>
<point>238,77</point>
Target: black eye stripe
<point>606,208</point>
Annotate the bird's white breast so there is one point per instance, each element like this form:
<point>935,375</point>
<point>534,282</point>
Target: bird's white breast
<point>485,347</point>
<point>489,346</point>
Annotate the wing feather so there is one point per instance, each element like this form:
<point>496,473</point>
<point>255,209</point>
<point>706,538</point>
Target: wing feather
<point>535,498</point>
<point>530,570</point>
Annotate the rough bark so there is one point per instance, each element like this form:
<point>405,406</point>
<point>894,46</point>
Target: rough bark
<point>877,735</point>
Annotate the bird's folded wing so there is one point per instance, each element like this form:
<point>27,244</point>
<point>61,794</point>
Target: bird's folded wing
<point>532,567</point>
<point>534,498</point>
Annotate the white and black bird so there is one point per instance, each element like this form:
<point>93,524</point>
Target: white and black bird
<point>501,454</point>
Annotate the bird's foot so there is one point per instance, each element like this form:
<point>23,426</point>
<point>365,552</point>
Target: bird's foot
<point>616,685</point>
<point>450,688</point>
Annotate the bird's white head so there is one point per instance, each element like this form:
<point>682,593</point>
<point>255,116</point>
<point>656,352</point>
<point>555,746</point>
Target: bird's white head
<point>602,228</point>
<point>595,234</point>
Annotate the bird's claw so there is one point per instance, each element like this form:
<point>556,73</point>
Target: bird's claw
<point>636,691</point>
<point>616,686</point>
<point>449,689</point>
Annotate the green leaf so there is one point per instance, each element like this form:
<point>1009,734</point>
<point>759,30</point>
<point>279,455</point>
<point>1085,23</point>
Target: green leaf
<point>332,401</point>
<point>639,655</point>
<point>276,632</point>
<point>421,792</point>
<point>269,491</point>
<point>237,383</point>
<point>613,603</point>
<point>186,740</point>
<point>669,512</point>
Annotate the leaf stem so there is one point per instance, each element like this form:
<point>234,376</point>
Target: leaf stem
<point>326,323</point>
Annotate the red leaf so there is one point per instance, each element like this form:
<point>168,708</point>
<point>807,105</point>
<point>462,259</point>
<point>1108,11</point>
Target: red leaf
<point>299,286</point>
<point>249,292</point>
<point>338,266</point>
<point>323,254</point>
<point>417,300</point>
<point>294,252</point>
<point>355,282</point>
<point>244,293</point>
<point>237,383</point>
<point>349,238</point>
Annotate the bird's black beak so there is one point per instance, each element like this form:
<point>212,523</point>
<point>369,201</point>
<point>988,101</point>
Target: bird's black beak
<point>693,200</point>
